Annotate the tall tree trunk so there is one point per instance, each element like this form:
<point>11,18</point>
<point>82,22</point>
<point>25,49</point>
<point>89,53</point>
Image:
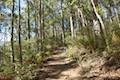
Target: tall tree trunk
<point>35,18</point>
<point>55,31</point>
<point>36,24</point>
<point>28,5</point>
<point>77,23</point>
<point>43,33</point>
<point>101,24</point>
<point>63,28</point>
<point>12,32</point>
<point>29,28</point>
<point>19,34</point>
<point>40,28</point>
<point>82,17</point>
<point>71,26</point>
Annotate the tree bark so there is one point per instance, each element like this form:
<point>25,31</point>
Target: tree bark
<point>101,24</point>
<point>19,34</point>
<point>71,26</point>
<point>28,5</point>
<point>63,28</point>
<point>82,17</point>
<point>43,33</point>
<point>12,32</point>
<point>40,28</point>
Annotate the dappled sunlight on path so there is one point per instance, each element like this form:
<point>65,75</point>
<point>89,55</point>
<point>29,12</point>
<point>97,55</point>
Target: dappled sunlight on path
<point>58,67</point>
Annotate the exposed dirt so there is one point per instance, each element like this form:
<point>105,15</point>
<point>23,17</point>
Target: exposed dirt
<point>59,67</point>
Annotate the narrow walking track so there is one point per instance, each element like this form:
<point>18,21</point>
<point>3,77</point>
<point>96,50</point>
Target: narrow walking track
<point>59,67</point>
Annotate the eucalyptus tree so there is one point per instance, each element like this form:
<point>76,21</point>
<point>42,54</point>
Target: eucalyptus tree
<point>40,26</point>
<point>12,31</point>
<point>63,27</point>
<point>28,6</point>
<point>19,33</point>
<point>101,24</point>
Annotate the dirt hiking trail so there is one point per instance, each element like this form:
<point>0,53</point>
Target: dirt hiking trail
<point>59,67</point>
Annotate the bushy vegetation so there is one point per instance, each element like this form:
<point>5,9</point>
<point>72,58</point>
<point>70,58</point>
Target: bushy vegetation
<point>33,30</point>
<point>87,42</point>
<point>32,60</point>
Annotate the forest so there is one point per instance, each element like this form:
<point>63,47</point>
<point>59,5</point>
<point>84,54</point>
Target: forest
<point>59,39</point>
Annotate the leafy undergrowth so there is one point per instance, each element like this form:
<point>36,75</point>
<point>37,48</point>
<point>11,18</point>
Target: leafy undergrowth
<point>32,61</point>
<point>90,66</point>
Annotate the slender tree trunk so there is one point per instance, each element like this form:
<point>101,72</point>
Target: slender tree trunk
<point>71,26</point>
<point>29,28</point>
<point>35,18</point>
<point>40,28</point>
<point>82,17</point>
<point>53,31</point>
<point>20,47</point>
<point>77,23</point>
<point>39,18</point>
<point>12,32</point>
<point>36,25</point>
<point>43,33</point>
<point>63,28</point>
<point>28,5</point>
<point>101,24</point>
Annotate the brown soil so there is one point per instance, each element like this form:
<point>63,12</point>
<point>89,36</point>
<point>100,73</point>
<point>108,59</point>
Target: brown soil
<point>59,67</point>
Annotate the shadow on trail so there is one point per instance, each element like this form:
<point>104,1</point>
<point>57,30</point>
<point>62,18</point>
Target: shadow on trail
<point>54,66</point>
<point>54,71</point>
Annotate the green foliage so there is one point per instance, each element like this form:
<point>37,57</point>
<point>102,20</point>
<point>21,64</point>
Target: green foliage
<point>71,51</point>
<point>100,10</point>
<point>114,37</point>
<point>83,39</point>
<point>51,16</point>
<point>7,69</point>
